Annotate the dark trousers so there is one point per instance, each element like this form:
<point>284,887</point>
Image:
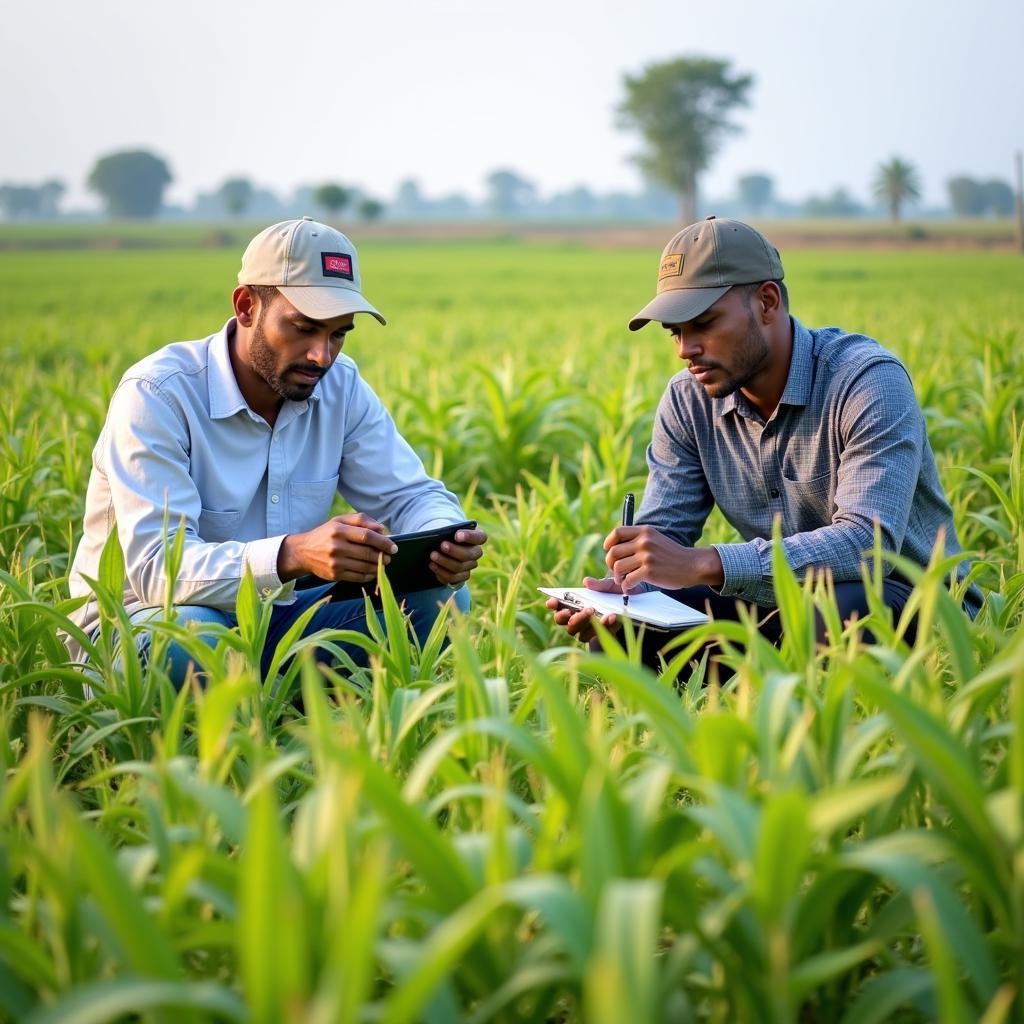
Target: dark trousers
<point>850,599</point>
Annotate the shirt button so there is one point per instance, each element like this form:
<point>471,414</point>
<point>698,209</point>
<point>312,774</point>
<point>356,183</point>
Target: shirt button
<point>275,498</point>
<point>775,492</point>
<point>267,591</point>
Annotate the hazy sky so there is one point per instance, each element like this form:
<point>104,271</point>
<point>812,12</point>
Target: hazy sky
<point>370,93</point>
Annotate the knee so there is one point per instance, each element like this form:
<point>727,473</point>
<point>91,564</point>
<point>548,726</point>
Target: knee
<point>192,617</point>
<point>197,615</point>
<point>462,598</point>
<point>424,606</point>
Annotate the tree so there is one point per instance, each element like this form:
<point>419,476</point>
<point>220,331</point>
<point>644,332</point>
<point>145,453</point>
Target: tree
<point>681,110</point>
<point>332,197</point>
<point>370,209</point>
<point>508,193</point>
<point>19,202</point>
<point>998,196</point>
<point>895,184</point>
<point>756,191</point>
<point>235,195</point>
<point>409,200</point>
<point>839,204</point>
<point>966,196</point>
<point>50,193</point>
<point>31,201</point>
<point>130,183</point>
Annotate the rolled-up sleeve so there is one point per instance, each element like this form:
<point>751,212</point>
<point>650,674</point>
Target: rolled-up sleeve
<point>882,431</point>
<point>144,451</point>
<point>382,475</point>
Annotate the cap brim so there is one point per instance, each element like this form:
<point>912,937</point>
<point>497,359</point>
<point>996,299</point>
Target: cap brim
<point>677,306</point>
<point>324,302</point>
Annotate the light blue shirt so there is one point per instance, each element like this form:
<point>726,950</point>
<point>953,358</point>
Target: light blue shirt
<point>179,434</point>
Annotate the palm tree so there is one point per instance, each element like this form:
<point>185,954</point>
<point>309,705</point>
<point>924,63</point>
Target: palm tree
<point>895,183</point>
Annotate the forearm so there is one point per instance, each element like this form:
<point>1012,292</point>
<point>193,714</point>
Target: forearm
<point>209,574</point>
<point>747,567</point>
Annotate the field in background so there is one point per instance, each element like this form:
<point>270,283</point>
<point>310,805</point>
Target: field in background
<point>841,233</point>
<point>510,830</point>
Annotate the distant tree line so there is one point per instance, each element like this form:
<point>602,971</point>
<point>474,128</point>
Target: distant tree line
<point>971,198</point>
<point>682,110</point>
<point>31,202</point>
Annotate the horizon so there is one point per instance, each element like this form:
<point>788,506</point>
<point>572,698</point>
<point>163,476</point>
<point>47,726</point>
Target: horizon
<point>439,103</point>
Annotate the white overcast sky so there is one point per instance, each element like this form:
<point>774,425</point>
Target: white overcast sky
<point>444,91</point>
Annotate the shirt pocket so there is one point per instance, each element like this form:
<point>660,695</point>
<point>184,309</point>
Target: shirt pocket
<point>215,527</point>
<point>309,502</point>
<point>809,502</point>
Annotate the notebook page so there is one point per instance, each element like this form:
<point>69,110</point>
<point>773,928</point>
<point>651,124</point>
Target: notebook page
<point>654,606</point>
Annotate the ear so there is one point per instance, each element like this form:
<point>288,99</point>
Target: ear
<point>768,302</point>
<point>246,305</point>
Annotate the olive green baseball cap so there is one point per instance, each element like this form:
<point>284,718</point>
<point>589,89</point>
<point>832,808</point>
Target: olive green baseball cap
<point>701,263</point>
<point>314,266</point>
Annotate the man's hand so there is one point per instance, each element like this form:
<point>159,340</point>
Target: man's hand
<point>454,562</point>
<point>579,623</point>
<point>344,548</point>
<point>640,554</point>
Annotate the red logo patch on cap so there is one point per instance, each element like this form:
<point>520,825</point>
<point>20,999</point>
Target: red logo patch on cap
<point>337,264</point>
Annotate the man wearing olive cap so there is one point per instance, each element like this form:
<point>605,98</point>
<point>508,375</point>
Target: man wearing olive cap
<point>247,436</point>
<point>817,427</point>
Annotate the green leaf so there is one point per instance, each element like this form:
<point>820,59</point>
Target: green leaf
<point>272,930</point>
<point>818,970</point>
<point>953,1008</point>
<point>783,846</point>
<point>104,1001</point>
<point>621,981</point>
<point>438,957</point>
<point>142,945</point>
<point>883,995</point>
<point>111,565</point>
<point>842,805</point>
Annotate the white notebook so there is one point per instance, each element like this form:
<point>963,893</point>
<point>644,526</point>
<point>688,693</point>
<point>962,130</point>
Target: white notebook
<point>652,607</point>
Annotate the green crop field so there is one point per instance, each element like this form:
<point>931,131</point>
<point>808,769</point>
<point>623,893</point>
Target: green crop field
<point>514,829</point>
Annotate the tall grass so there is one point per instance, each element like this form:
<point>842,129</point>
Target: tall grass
<point>513,828</point>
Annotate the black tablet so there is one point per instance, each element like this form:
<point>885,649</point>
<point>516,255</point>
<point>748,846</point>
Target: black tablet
<point>409,569</point>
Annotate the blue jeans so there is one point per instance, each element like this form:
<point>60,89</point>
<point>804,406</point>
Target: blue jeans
<point>422,608</point>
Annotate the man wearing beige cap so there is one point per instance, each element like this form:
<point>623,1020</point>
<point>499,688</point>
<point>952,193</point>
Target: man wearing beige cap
<point>246,436</point>
<point>819,428</point>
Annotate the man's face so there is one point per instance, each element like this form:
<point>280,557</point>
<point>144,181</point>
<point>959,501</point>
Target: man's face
<point>290,351</point>
<point>725,346</point>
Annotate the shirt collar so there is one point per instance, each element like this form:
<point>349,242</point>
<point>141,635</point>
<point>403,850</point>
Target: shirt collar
<point>801,370</point>
<point>225,396</point>
<point>801,367</point>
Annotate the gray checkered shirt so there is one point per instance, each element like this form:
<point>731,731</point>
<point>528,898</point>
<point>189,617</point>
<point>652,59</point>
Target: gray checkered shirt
<point>846,447</point>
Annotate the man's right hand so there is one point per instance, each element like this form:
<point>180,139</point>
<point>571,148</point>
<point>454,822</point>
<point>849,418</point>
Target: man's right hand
<point>579,623</point>
<point>345,548</point>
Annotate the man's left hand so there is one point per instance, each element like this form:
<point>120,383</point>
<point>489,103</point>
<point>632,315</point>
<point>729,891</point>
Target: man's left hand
<point>640,554</point>
<point>455,561</point>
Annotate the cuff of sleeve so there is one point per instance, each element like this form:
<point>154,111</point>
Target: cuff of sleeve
<point>741,565</point>
<point>261,558</point>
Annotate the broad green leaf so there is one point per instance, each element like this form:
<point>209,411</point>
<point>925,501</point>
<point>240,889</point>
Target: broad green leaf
<point>272,930</point>
<point>103,1001</point>
<point>622,979</point>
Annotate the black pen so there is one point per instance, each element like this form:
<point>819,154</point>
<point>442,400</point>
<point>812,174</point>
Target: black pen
<point>627,520</point>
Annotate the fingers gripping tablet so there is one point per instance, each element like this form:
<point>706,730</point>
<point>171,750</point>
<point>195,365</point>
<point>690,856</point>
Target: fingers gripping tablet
<point>409,569</point>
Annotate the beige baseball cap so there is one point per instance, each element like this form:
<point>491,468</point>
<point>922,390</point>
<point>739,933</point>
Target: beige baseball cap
<point>701,263</point>
<point>312,265</point>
